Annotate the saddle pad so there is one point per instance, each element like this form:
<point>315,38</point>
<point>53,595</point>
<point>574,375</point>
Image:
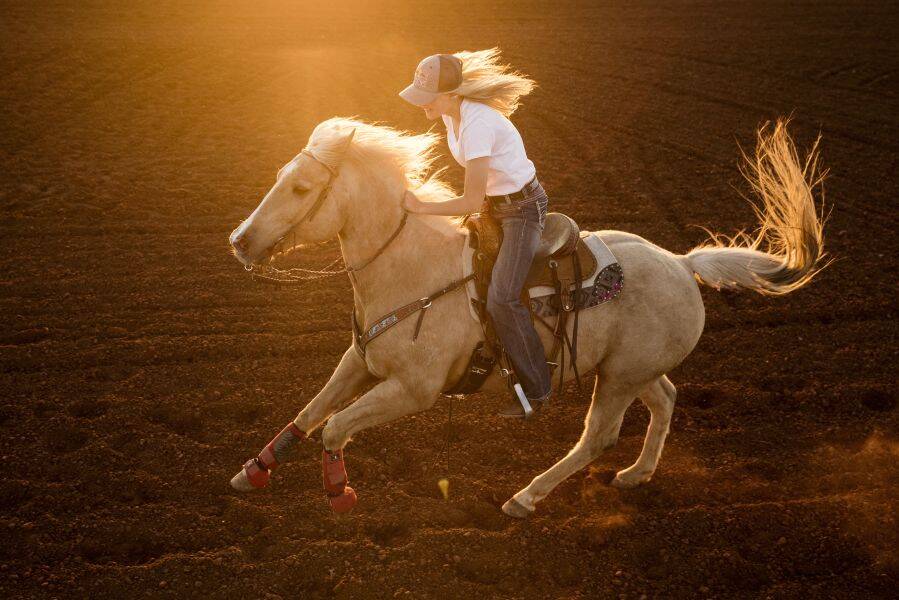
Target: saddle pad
<point>605,260</point>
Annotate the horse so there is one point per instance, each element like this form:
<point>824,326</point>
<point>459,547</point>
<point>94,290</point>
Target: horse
<point>348,183</point>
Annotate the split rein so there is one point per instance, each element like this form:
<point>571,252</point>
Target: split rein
<point>299,275</point>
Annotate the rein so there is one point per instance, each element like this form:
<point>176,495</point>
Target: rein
<point>383,247</point>
<point>295,276</point>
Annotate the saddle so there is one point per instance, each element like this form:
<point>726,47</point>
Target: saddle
<point>559,253</point>
<point>561,262</point>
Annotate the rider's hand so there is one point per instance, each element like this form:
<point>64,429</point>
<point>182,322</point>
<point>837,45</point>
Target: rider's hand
<point>411,202</point>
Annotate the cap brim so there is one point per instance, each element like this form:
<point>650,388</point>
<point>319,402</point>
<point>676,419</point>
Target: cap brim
<point>415,96</point>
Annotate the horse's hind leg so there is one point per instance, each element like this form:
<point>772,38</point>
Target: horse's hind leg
<point>603,423</point>
<point>659,398</point>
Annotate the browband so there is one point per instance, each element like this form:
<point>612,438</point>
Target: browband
<point>308,152</point>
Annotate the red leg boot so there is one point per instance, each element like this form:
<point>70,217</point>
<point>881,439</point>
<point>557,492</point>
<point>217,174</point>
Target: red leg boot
<point>341,496</point>
<point>257,471</point>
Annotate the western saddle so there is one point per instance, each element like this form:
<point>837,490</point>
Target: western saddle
<point>562,260</point>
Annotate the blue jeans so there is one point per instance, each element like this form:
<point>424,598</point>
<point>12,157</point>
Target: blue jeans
<point>522,222</point>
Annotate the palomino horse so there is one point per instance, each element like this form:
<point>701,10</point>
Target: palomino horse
<point>348,182</point>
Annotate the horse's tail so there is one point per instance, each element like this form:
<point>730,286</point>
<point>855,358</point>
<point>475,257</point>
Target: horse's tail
<point>791,229</point>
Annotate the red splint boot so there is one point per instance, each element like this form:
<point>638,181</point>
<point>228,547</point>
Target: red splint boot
<point>341,496</point>
<point>275,452</point>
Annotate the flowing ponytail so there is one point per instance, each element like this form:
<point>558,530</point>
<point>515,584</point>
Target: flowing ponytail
<point>485,80</point>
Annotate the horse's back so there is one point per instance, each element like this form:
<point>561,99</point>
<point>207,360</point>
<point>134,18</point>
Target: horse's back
<point>631,248</point>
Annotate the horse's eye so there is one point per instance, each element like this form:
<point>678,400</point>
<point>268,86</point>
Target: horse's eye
<point>299,190</point>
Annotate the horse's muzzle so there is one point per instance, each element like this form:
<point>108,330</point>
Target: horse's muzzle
<point>241,244</point>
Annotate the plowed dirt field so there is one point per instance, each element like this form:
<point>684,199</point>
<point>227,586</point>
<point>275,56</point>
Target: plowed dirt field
<point>140,366</point>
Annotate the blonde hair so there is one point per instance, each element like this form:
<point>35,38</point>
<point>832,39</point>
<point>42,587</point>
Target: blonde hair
<point>485,80</point>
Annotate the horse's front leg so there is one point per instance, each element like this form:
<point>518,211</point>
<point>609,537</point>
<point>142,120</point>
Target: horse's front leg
<point>387,401</point>
<point>349,378</point>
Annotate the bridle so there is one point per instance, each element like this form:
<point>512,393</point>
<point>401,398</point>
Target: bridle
<point>286,277</point>
<point>360,338</point>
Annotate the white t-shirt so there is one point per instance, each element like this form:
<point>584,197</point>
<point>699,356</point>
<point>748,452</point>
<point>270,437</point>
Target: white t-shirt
<point>484,131</point>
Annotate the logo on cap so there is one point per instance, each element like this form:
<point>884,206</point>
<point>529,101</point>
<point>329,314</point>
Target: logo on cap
<point>420,77</point>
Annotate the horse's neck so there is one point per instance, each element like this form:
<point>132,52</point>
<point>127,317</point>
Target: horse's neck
<point>424,257</point>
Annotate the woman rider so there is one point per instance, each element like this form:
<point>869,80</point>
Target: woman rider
<point>475,95</point>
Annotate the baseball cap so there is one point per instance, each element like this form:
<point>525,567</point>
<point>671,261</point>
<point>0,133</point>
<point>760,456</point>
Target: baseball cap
<point>437,74</point>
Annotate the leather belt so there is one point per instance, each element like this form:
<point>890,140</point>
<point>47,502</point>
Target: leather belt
<point>514,196</point>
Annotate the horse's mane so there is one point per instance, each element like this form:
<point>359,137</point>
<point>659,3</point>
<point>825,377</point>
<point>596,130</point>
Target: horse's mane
<point>376,147</point>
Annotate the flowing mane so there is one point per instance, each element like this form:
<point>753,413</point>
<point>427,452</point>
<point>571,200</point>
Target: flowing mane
<point>378,149</point>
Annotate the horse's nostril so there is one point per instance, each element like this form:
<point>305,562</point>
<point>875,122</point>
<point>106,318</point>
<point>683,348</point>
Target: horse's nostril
<point>240,244</point>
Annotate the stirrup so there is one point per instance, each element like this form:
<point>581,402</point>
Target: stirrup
<point>525,405</point>
<point>515,409</point>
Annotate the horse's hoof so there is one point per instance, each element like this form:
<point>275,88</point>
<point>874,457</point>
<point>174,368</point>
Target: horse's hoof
<point>241,482</point>
<point>251,477</point>
<point>514,508</point>
<point>345,502</point>
<point>624,480</point>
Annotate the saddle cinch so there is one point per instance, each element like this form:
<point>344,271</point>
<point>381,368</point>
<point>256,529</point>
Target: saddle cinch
<point>562,264</point>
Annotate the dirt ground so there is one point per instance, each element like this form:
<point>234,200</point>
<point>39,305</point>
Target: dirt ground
<point>141,366</point>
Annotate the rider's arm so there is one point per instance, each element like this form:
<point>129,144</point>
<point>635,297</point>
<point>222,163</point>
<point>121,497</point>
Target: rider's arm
<point>471,200</point>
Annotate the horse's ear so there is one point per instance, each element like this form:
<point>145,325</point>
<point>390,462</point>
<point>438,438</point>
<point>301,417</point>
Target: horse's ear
<point>348,141</point>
